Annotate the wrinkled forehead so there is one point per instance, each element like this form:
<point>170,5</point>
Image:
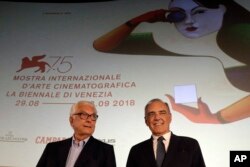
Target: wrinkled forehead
<point>156,106</point>
<point>184,4</point>
<point>83,106</point>
<point>86,107</point>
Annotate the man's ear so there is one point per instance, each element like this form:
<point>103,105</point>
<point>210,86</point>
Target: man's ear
<point>70,120</point>
<point>146,121</point>
<point>170,116</point>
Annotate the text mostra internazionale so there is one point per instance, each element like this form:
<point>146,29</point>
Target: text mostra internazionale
<point>104,77</point>
<point>74,82</point>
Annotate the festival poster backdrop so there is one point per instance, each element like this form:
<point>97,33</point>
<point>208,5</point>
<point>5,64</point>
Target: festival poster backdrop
<point>49,61</point>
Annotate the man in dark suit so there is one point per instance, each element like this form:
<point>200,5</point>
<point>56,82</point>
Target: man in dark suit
<point>178,151</point>
<point>81,150</point>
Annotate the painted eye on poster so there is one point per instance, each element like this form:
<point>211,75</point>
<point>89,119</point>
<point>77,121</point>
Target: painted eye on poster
<point>185,93</point>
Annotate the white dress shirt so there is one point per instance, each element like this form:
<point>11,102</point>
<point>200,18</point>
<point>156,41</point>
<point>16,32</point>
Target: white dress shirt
<point>165,142</point>
<point>75,151</point>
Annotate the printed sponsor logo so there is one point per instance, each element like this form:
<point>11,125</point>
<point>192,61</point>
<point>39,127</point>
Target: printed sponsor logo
<point>10,137</point>
<point>47,139</point>
<point>109,141</point>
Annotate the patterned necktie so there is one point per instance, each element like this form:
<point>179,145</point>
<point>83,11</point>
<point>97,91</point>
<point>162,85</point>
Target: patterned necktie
<point>160,152</point>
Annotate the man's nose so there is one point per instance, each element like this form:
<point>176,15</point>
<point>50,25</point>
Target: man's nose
<point>157,116</point>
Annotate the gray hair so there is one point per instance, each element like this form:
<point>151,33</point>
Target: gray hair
<point>75,106</point>
<point>152,101</point>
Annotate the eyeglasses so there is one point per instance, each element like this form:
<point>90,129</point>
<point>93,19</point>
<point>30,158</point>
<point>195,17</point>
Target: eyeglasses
<point>85,116</point>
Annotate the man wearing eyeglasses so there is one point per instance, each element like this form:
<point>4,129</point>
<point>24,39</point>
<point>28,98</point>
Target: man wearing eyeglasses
<point>164,149</point>
<point>82,149</point>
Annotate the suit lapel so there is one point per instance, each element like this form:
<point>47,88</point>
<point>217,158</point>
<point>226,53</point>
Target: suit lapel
<point>149,153</point>
<point>89,148</point>
<point>172,151</point>
<point>64,151</point>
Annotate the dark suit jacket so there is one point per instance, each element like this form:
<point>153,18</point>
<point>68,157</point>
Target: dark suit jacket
<point>182,152</point>
<point>94,154</point>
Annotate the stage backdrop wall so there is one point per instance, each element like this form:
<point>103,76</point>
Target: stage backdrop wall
<point>48,62</point>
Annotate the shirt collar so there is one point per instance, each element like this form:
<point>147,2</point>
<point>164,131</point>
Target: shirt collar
<point>166,136</point>
<point>79,144</point>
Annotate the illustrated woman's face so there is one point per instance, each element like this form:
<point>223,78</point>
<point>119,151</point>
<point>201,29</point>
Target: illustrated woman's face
<point>198,20</point>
